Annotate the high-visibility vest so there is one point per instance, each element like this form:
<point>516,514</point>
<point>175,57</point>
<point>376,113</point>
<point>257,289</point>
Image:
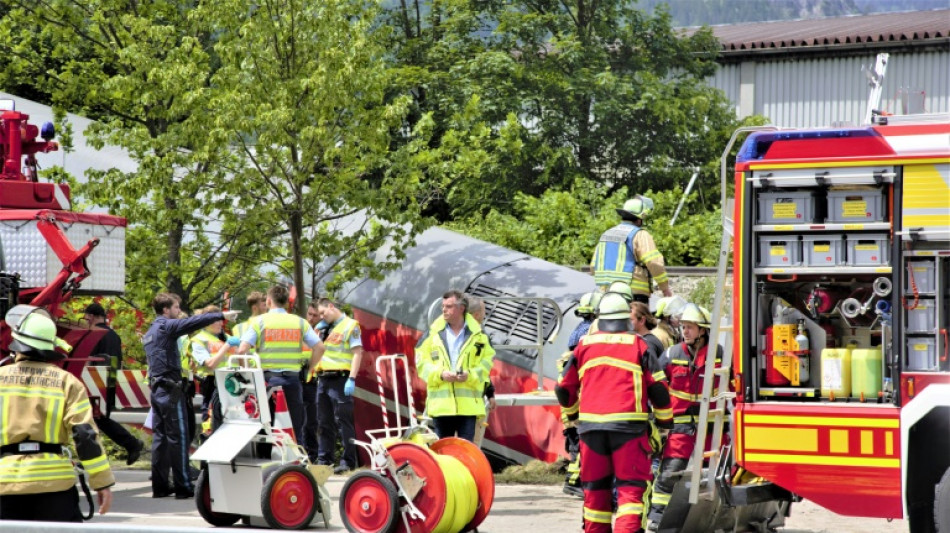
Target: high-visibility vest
<point>44,403</point>
<point>613,259</point>
<point>280,340</point>
<point>476,357</point>
<point>239,329</point>
<point>211,343</point>
<point>339,354</point>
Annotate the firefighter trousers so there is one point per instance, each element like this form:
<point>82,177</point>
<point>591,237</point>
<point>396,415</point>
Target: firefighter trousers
<point>609,458</point>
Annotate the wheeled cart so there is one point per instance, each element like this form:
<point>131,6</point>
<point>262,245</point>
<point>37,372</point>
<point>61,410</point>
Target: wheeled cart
<point>252,468</point>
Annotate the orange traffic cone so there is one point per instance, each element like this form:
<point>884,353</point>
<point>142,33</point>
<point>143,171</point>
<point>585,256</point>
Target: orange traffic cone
<point>282,422</point>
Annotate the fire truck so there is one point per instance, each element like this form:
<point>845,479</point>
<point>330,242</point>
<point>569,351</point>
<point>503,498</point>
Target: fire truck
<point>48,252</point>
<point>840,310</point>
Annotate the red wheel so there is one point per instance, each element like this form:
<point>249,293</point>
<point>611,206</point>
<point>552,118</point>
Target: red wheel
<point>289,498</point>
<point>368,503</point>
<point>476,463</point>
<point>432,498</point>
<point>203,502</point>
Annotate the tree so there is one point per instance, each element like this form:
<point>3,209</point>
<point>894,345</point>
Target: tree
<point>302,97</point>
<point>600,91</point>
<point>142,70</point>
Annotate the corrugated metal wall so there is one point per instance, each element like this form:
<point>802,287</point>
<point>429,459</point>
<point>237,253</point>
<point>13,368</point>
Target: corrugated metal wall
<point>819,92</point>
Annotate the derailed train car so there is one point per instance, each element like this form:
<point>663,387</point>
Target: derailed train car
<point>395,312</point>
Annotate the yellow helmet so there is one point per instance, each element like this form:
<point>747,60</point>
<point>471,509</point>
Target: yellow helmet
<point>588,304</point>
<point>621,288</point>
<point>613,307</point>
<point>669,306</point>
<point>639,207</point>
<point>697,315</point>
<point>33,330</point>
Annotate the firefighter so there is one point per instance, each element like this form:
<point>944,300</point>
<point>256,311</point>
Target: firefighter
<point>279,338</point>
<point>454,358</point>
<point>613,423</point>
<point>587,312</point>
<point>43,407</point>
<point>627,253</point>
<point>684,365</point>
<point>667,314</point>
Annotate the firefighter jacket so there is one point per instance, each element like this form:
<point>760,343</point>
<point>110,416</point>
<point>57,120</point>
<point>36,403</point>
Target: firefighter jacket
<point>44,406</point>
<point>627,253</point>
<point>665,333</point>
<point>203,346</point>
<point>568,414</point>
<point>684,373</point>
<point>280,340</point>
<point>444,398</point>
<point>344,335</point>
<point>618,388</point>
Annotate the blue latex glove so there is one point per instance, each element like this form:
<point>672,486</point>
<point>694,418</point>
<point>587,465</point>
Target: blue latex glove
<point>234,341</point>
<point>349,387</point>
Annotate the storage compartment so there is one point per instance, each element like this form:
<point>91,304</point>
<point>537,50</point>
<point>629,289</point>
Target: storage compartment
<point>779,251</point>
<point>855,205</point>
<point>866,373</point>
<point>823,250</point>
<point>923,318</point>
<point>867,250</point>
<point>921,354</point>
<point>836,372</point>
<point>786,207</point>
<point>923,276</point>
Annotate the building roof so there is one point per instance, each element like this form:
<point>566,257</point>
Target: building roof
<point>881,30</point>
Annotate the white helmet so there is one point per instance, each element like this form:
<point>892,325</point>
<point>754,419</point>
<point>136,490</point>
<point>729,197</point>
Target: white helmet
<point>697,315</point>
<point>613,306</point>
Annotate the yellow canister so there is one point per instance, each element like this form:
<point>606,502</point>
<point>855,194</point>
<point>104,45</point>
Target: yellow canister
<point>836,372</point>
<point>866,373</point>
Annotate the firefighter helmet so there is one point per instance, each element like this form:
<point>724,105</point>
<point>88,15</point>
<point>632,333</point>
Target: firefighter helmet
<point>613,307</point>
<point>621,288</point>
<point>33,331</point>
<point>639,207</point>
<point>588,304</point>
<point>669,306</point>
<point>697,315</point>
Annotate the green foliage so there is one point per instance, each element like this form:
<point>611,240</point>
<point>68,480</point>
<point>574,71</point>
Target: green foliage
<point>563,226</point>
<point>130,323</point>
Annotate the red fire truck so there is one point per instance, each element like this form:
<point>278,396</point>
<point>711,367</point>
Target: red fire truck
<point>841,306</point>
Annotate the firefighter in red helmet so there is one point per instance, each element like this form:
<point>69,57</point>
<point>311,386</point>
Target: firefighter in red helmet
<point>611,366</point>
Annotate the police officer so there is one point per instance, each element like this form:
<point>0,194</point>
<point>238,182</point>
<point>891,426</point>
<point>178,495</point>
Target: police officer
<point>309,385</point>
<point>607,373</point>
<point>336,382</point>
<point>208,351</point>
<point>169,442</point>
<point>684,365</point>
<point>279,338</point>
<point>454,358</point>
<point>43,407</point>
<point>627,253</point>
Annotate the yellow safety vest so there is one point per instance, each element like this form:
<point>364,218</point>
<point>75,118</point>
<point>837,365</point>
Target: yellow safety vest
<point>44,403</point>
<point>239,329</point>
<point>339,354</point>
<point>476,357</point>
<point>280,340</point>
<point>210,343</point>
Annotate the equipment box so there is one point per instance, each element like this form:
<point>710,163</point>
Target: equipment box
<point>779,251</point>
<point>923,318</point>
<point>921,354</point>
<point>868,250</point>
<point>855,205</point>
<point>786,207</point>
<point>823,250</point>
<point>923,276</point>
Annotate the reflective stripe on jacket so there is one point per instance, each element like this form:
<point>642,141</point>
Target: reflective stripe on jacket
<point>280,340</point>
<point>568,414</point>
<point>476,357</point>
<point>339,354</point>
<point>628,254</point>
<point>684,374</point>
<point>41,402</point>
<point>612,384</point>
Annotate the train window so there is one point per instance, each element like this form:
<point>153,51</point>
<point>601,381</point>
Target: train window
<point>510,320</point>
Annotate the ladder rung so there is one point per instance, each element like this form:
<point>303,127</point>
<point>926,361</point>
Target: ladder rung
<point>723,396</point>
<point>721,370</point>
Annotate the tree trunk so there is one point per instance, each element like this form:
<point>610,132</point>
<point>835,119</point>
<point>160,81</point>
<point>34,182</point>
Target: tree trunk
<point>173,282</point>
<point>296,233</point>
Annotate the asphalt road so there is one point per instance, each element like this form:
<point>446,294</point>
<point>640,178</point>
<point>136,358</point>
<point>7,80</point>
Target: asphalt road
<point>517,509</point>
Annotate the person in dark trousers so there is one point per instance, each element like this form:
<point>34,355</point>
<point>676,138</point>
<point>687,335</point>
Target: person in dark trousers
<point>308,381</point>
<point>169,426</point>
<point>110,347</point>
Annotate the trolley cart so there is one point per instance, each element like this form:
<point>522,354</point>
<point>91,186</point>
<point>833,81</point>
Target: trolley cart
<point>252,469</point>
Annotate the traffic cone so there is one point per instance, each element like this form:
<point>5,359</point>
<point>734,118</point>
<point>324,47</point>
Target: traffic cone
<point>282,422</point>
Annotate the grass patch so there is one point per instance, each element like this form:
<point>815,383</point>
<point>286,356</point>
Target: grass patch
<point>534,473</point>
